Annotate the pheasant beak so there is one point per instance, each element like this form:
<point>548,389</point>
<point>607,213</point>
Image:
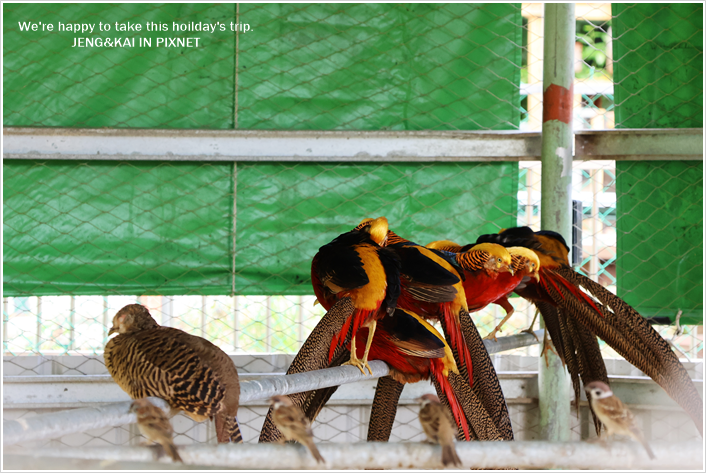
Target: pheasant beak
<point>112,330</point>
<point>536,276</point>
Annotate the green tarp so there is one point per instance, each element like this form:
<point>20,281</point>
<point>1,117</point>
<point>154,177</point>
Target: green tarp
<point>378,66</point>
<point>286,212</point>
<point>137,228</point>
<point>660,238</point>
<point>167,228</point>
<point>117,228</point>
<point>302,66</point>
<point>47,82</point>
<point>658,51</point>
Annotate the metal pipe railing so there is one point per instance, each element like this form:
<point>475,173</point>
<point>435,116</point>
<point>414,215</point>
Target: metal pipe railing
<point>623,455</point>
<point>70,421</point>
<point>115,414</point>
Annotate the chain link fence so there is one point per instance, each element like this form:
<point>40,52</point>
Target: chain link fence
<point>222,250</point>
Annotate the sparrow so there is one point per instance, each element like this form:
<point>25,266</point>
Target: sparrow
<point>154,425</point>
<point>440,427</point>
<point>615,415</point>
<point>293,424</point>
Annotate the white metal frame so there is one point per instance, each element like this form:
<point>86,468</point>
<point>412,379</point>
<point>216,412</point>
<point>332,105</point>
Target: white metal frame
<point>340,146</point>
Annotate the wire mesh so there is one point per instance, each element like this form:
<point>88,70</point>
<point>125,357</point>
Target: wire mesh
<point>301,66</point>
<point>207,247</point>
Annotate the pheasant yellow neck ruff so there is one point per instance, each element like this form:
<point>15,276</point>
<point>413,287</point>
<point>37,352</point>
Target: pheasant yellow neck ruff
<point>478,256</point>
<point>518,251</point>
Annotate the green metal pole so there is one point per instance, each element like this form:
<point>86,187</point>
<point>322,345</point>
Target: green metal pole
<point>557,142</point>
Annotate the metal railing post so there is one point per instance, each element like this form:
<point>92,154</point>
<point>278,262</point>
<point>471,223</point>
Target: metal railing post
<point>557,156</point>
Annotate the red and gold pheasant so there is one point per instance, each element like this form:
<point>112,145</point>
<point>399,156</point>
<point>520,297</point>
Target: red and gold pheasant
<point>415,351</point>
<point>355,266</point>
<point>495,286</point>
<point>432,287</point>
<point>574,319</point>
<point>482,266</point>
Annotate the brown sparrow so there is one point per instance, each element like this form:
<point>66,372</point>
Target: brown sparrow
<point>440,427</point>
<point>290,420</point>
<point>154,425</point>
<point>615,415</point>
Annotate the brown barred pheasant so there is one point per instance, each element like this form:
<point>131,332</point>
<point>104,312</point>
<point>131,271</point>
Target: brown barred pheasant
<point>190,373</point>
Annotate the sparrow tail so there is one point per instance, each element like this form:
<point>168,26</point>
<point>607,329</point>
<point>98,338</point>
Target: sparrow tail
<point>171,450</point>
<point>314,451</point>
<point>449,455</point>
<point>647,447</point>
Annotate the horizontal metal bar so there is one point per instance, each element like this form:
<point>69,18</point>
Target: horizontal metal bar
<point>115,414</point>
<point>641,144</point>
<point>35,367</point>
<point>265,388</point>
<point>34,463</point>
<point>513,341</point>
<point>56,392</point>
<point>584,87</point>
<point>70,421</point>
<point>616,455</point>
<point>65,392</point>
<point>340,146</point>
<point>61,391</point>
<point>267,145</point>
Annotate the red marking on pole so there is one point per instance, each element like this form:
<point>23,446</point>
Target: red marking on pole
<point>558,103</point>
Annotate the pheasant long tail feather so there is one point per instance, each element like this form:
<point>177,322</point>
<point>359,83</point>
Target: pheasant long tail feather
<point>338,337</point>
<point>590,361</point>
<point>313,355</point>
<point>314,401</point>
<point>486,385</point>
<point>555,277</point>
<point>550,315</point>
<point>441,394</point>
<point>570,347</point>
<point>628,333</point>
<point>384,409</point>
<point>456,340</point>
<point>227,429</point>
<point>479,420</point>
<point>442,384</point>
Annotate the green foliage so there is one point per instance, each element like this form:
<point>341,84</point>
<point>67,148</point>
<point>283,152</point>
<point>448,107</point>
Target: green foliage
<point>595,39</point>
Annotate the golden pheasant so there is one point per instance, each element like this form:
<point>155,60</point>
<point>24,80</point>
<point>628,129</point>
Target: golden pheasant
<point>190,373</point>
<point>412,349</point>
<point>415,351</point>
<point>574,319</point>
<point>432,287</point>
<point>524,264</point>
<point>482,266</point>
<point>490,424</point>
<point>355,266</point>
